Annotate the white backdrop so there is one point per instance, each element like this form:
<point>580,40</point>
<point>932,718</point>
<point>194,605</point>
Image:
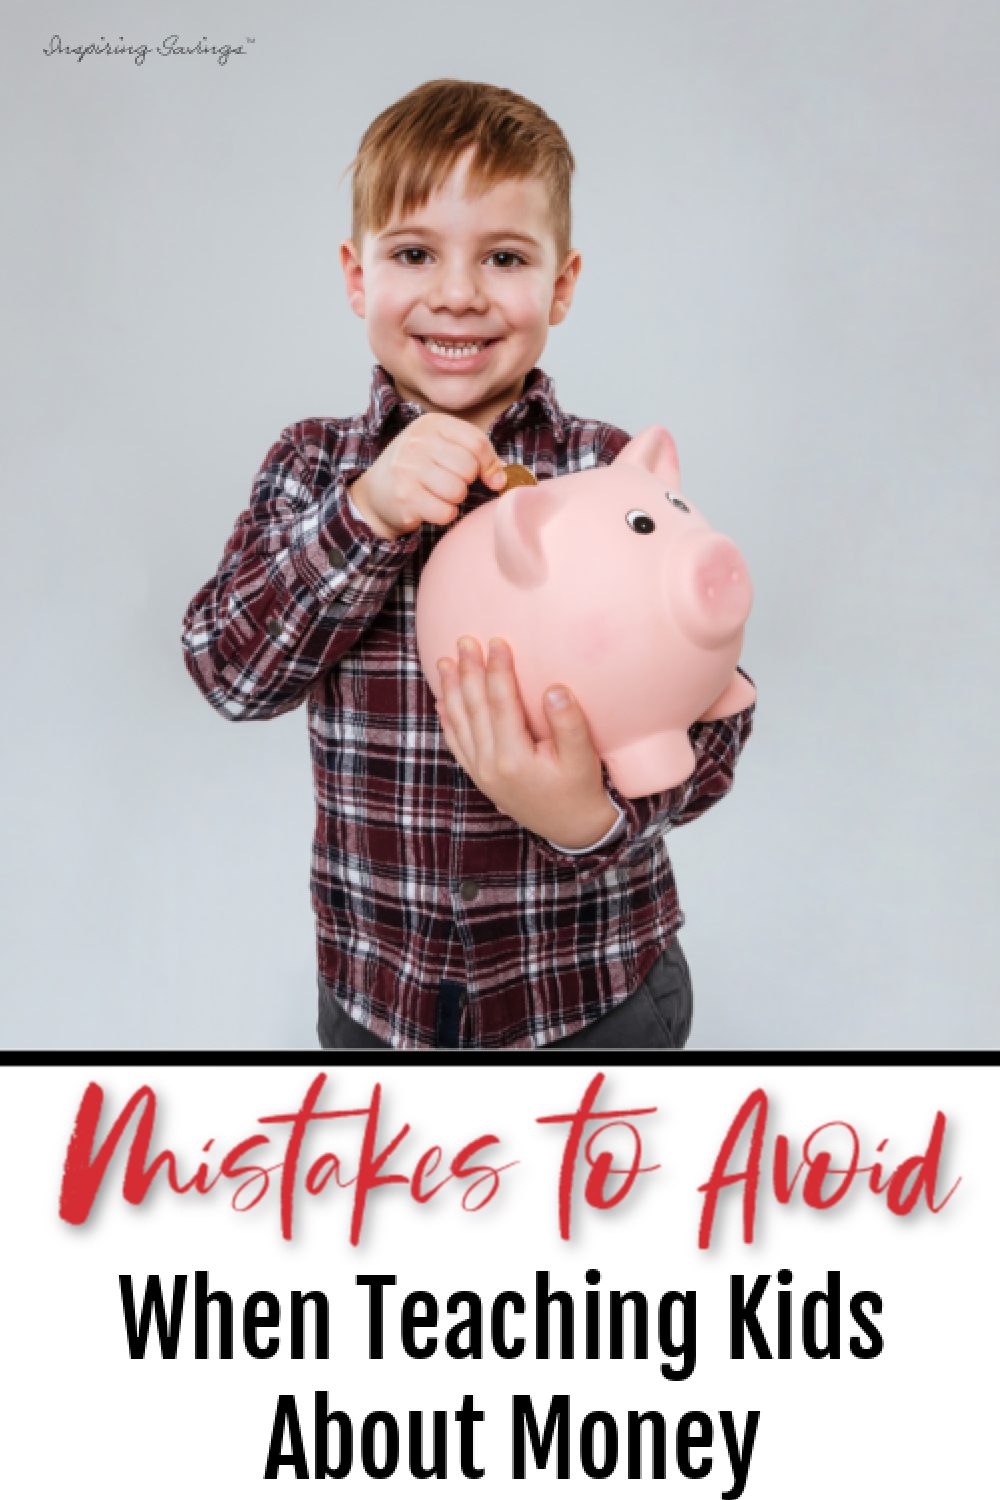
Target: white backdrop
<point>788,220</point>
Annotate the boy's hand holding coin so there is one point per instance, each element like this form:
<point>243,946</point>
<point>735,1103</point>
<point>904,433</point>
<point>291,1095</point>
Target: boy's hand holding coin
<point>424,475</point>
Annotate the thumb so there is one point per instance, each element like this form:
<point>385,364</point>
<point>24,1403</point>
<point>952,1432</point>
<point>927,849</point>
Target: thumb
<point>570,730</point>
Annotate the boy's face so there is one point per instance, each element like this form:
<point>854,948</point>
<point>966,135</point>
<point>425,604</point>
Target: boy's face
<point>461,269</point>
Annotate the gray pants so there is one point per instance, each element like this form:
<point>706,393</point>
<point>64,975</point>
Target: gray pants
<point>656,1015</point>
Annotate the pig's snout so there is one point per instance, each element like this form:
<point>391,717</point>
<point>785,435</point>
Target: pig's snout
<point>709,587</point>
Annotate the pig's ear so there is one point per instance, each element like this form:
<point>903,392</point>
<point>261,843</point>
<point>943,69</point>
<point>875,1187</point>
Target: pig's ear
<point>517,532</point>
<point>653,449</point>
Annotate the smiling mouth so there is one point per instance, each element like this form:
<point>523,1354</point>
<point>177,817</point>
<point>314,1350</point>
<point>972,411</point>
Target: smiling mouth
<point>454,348</point>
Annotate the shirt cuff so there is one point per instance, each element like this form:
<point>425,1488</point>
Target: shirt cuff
<point>605,838</point>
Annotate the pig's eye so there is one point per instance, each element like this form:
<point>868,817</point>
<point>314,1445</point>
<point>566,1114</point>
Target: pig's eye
<point>640,521</point>
<point>676,500</point>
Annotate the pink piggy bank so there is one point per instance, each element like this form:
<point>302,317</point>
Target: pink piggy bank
<point>610,581</point>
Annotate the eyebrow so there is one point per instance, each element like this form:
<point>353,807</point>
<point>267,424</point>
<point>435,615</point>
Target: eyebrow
<point>423,232</point>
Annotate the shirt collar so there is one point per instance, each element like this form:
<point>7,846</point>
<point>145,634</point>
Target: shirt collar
<point>538,391</point>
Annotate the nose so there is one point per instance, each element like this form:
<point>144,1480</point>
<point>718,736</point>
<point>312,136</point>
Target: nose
<point>710,591</point>
<point>457,287</point>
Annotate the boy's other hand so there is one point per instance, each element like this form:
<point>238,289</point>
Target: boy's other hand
<point>554,786</point>
<point>424,475</point>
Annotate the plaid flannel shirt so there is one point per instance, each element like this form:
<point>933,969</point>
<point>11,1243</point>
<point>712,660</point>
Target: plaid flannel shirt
<point>424,893</point>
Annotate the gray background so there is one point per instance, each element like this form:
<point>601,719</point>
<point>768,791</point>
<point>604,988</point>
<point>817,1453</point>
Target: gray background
<point>788,219</point>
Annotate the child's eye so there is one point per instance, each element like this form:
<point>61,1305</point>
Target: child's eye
<point>410,250</point>
<point>410,255</point>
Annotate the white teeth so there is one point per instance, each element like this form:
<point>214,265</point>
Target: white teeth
<point>454,351</point>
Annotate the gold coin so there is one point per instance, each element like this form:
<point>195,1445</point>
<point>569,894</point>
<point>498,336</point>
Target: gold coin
<point>517,475</point>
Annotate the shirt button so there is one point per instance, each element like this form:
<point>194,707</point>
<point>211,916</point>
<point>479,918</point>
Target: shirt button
<point>273,629</point>
<point>468,890</point>
<point>336,558</point>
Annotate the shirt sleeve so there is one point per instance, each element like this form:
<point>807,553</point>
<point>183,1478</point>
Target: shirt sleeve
<point>717,745</point>
<point>301,577</point>
<point>586,848</point>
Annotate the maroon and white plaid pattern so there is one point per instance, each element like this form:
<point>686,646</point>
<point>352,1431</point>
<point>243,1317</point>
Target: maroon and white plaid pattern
<point>416,877</point>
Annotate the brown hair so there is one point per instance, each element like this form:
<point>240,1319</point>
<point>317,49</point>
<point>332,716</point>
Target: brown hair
<point>410,148</point>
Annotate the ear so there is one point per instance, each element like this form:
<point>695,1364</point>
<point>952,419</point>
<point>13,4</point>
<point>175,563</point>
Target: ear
<point>517,531</point>
<point>354,277</point>
<point>653,449</point>
<point>564,287</point>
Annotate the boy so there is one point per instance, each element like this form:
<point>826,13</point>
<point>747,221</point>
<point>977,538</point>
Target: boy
<point>472,889</point>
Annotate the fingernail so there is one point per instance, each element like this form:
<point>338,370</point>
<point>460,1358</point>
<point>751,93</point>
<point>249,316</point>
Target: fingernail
<point>558,697</point>
<point>464,645</point>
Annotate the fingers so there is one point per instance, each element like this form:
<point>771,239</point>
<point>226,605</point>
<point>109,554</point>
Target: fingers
<point>448,471</point>
<point>450,738</point>
<point>510,730</point>
<point>482,703</point>
<point>493,472</point>
<point>476,445</point>
<point>444,470</point>
<point>432,491</point>
<point>443,483</point>
<point>456,459</point>
<point>483,723</point>
<point>464,702</point>
<point>472,679</point>
<point>573,741</point>
<point>424,474</point>
<point>483,711</point>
